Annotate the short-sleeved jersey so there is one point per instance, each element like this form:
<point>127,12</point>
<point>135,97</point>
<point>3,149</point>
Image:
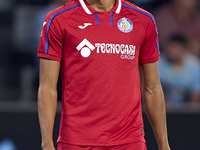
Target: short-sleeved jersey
<point>99,54</point>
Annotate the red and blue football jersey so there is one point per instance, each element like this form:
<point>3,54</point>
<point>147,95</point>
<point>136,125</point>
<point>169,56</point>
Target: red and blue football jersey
<point>99,54</point>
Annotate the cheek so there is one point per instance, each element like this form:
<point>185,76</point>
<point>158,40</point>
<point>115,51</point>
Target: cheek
<point>174,54</point>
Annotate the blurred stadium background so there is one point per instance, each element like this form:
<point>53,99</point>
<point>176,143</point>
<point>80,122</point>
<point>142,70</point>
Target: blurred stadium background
<point>179,32</point>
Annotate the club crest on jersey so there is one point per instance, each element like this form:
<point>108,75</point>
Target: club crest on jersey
<point>125,25</point>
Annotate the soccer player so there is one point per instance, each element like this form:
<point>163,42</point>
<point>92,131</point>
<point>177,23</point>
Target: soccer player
<point>100,44</point>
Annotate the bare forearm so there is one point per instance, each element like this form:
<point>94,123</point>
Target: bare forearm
<point>155,108</point>
<point>47,105</point>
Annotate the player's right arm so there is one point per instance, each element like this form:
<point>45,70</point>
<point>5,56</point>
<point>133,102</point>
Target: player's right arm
<point>47,100</point>
<point>50,53</point>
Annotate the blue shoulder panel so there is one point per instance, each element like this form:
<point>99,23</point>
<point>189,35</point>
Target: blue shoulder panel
<point>151,19</point>
<point>49,24</point>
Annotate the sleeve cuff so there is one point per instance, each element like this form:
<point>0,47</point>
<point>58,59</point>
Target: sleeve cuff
<point>145,61</point>
<point>47,56</point>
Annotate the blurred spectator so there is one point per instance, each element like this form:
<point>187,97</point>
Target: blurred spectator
<point>194,47</point>
<point>181,16</point>
<point>179,73</point>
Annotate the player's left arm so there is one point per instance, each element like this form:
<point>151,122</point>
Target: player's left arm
<point>153,99</point>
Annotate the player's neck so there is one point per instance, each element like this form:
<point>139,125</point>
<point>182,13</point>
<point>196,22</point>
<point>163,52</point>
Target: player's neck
<point>101,5</point>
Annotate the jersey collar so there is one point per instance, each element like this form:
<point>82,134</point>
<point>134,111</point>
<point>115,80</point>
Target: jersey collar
<point>89,10</point>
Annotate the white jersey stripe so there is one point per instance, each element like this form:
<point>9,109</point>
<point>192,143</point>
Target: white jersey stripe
<point>89,12</point>
<point>119,7</point>
<point>85,7</point>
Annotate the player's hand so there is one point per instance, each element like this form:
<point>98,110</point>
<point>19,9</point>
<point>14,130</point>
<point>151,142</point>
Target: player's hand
<point>49,148</point>
<point>165,148</point>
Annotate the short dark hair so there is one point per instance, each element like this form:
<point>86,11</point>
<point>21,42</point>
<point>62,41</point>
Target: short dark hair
<point>179,39</point>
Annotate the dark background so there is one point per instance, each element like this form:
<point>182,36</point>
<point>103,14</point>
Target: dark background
<point>23,128</point>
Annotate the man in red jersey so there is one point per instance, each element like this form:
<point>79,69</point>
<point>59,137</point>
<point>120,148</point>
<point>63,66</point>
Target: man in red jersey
<point>99,45</point>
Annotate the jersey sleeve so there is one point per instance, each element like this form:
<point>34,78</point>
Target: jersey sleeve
<point>51,45</point>
<point>149,51</point>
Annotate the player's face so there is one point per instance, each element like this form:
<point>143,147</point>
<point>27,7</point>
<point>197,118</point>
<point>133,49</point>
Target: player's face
<point>175,52</point>
<point>194,47</point>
